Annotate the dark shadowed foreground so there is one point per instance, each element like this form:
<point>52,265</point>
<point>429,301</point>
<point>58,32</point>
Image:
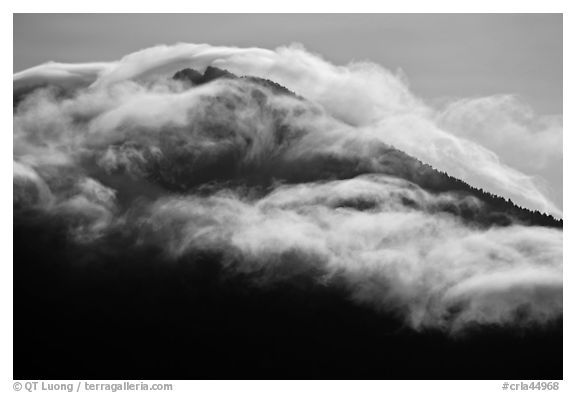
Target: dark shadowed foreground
<point>130,314</point>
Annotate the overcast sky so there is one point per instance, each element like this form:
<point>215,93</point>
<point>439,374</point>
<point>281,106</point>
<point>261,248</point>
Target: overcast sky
<point>443,55</point>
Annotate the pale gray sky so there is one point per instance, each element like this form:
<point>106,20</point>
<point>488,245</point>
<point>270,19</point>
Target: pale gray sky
<point>443,55</point>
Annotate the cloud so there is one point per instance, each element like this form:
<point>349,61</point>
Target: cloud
<point>523,140</point>
<point>69,76</point>
<point>29,188</point>
<point>282,186</point>
<point>366,95</point>
<point>429,268</point>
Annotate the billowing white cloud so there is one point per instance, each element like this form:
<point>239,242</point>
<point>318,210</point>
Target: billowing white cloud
<point>272,181</point>
<point>522,139</point>
<point>59,74</point>
<point>429,268</point>
<point>366,95</point>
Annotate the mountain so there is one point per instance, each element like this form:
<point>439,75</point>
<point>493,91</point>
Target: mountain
<point>195,78</point>
<point>224,237</point>
<point>211,73</point>
<point>496,210</point>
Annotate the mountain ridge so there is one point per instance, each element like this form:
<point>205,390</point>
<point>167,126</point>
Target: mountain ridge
<point>504,211</point>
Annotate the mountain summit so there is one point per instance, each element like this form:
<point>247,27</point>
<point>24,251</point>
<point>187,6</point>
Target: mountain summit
<point>494,210</point>
<point>196,78</point>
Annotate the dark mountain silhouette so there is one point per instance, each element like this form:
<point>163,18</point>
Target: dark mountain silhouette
<point>114,311</point>
<point>120,308</point>
<point>211,73</point>
<point>196,78</point>
<point>496,210</point>
<point>189,75</point>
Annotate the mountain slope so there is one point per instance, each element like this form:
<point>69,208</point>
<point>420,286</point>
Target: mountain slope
<point>222,227</point>
<point>495,211</point>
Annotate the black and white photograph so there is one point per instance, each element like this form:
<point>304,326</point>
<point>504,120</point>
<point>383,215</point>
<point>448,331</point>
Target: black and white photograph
<point>288,196</point>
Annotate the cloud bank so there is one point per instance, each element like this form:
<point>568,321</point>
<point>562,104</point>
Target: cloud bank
<point>282,185</point>
<point>487,149</point>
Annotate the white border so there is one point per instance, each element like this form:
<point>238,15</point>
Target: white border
<point>432,6</point>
